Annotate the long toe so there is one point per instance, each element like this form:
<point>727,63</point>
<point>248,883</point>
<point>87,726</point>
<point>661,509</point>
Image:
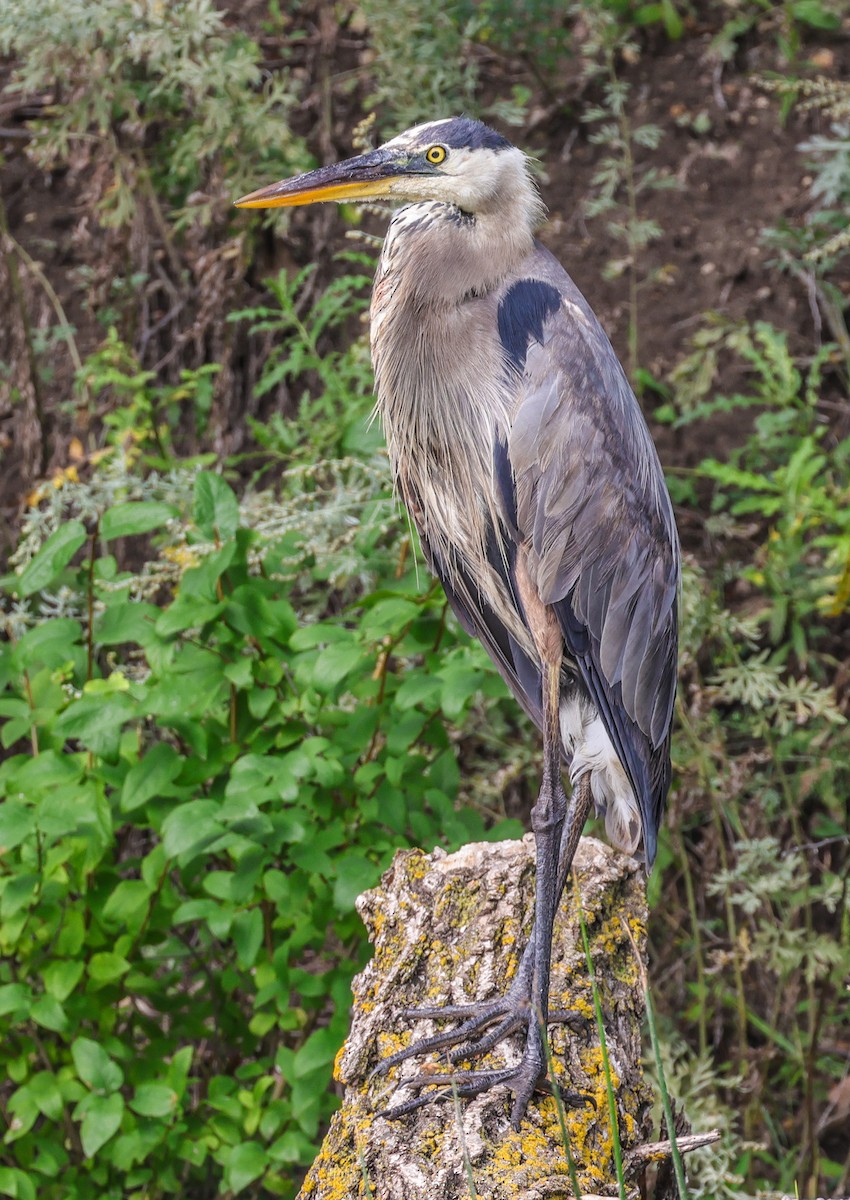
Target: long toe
<point>477,1017</point>
<point>523,1086</point>
<point>472,1050</point>
<point>460,1083</point>
<point>522,1081</point>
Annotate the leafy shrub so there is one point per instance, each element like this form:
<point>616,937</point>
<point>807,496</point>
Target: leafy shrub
<point>813,251</point>
<point>330,415</point>
<point>159,94</point>
<point>758,833</point>
<point>789,473</point>
<point>194,794</point>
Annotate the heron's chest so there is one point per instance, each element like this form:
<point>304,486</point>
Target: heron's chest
<point>441,399</point>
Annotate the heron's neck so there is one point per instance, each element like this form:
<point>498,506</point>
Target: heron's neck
<point>442,256</point>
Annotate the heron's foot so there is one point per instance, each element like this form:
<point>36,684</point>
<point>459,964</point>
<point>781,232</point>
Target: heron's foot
<point>482,1026</point>
<point>522,1080</point>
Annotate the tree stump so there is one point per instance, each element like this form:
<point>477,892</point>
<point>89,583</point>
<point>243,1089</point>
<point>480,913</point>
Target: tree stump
<point>450,928</point>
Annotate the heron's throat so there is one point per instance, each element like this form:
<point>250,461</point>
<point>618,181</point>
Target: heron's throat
<point>439,255</point>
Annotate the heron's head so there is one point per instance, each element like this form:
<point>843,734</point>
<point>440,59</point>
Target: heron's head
<point>457,161</point>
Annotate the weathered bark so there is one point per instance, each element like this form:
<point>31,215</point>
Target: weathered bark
<point>450,928</point>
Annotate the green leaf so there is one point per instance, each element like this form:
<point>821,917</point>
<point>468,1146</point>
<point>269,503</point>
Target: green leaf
<point>132,621</point>
<point>20,892</point>
<point>61,976</point>
<point>49,1013</point>
<point>178,1069</point>
<point>127,905</point>
<point>187,612</point>
<point>150,776</point>
<point>190,827</point>
<point>356,874</point>
<point>105,967</point>
<point>17,822</point>
<point>317,1052</point>
<point>389,616</point>
<point>16,1183</point>
<point>46,773</point>
<point>101,1121</point>
<point>816,14</point>
<point>248,936</point>
<point>333,664</point>
<point>134,517</point>
<point>246,1163</point>
<point>52,558</point>
<point>319,634</point>
<point>418,687</point>
<point>49,644</point>
<point>14,998</point>
<point>216,509</point>
<point>460,683</point>
<point>96,721</point>
<point>44,1089</point>
<point>24,1109</point>
<point>95,1067</point>
<point>154,1100</point>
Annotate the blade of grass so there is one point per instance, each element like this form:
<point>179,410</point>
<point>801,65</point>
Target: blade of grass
<point>678,1163</point>
<point>369,1191</point>
<point>603,1046</point>
<point>470,1181</point>
<point>559,1105</point>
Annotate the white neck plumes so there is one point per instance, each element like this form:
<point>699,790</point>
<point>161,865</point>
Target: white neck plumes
<point>466,230</point>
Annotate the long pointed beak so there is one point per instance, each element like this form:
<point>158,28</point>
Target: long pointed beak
<point>368,176</point>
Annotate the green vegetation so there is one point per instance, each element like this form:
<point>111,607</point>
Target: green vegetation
<point>229,690</point>
<point>177,910</point>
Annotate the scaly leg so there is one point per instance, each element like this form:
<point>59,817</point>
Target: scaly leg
<point>526,1002</point>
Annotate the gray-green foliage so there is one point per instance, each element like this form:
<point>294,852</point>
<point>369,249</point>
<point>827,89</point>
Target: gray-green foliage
<point>761,756</point>
<point>334,386</point>
<point>155,93</point>
<point>420,71</point>
<point>814,249</point>
<point>621,180</point>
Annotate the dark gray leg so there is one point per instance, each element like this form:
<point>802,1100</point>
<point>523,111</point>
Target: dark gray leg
<point>557,827</point>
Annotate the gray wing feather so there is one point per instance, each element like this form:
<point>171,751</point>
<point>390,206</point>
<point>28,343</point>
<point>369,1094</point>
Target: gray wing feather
<point>594,513</point>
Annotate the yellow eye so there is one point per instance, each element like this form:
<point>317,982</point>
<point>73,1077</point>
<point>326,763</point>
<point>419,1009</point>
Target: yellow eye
<point>436,154</point>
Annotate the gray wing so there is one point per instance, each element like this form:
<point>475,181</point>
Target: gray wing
<point>470,606</point>
<point>584,491</point>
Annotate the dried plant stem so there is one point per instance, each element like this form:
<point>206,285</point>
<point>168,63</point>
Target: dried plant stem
<point>706,774</point>
<point>49,290</point>
<point>10,248</point>
<point>467,1163</point>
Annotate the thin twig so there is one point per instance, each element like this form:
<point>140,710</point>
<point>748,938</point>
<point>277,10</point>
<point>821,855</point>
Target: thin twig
<point>65,327</point>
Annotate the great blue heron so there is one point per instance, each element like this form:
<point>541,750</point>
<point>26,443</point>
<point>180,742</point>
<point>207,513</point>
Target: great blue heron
<point>527,467</point>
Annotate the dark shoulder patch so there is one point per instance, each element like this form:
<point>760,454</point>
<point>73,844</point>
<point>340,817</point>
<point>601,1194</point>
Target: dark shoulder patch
<point>523,311</point>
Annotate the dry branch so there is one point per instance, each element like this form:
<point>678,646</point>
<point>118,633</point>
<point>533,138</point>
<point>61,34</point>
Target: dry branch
<point>449,928</point>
